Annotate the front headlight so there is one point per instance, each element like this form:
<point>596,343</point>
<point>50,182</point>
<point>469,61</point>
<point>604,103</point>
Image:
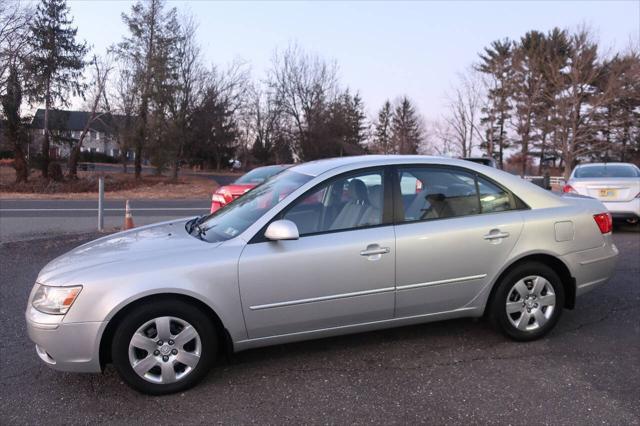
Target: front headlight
<point>54,300</point>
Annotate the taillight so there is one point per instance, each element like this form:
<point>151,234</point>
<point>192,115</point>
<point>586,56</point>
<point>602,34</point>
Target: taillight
<point>569,189</point>
<point>218,199</point>
<point>604,221</point>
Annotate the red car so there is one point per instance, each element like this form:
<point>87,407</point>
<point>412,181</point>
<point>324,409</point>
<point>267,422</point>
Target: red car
<point>226,194</point>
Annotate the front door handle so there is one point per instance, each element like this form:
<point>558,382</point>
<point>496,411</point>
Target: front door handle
<point>496,234</point>
<point>374,249</point>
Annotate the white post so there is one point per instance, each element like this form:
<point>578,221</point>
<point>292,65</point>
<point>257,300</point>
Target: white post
<point>101,203</point>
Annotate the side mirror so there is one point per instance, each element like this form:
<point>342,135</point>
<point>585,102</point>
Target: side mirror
<point>282,230</point>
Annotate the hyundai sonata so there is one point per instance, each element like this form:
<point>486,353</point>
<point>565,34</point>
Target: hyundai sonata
<point>324,248</point>
<point>617,185</point>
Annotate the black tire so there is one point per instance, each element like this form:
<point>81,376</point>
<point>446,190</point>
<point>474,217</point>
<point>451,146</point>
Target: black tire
<point>148,311</point>
<point>497,305</point>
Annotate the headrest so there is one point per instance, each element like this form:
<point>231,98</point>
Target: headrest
<point>357,191</point>
<point>375,196</point>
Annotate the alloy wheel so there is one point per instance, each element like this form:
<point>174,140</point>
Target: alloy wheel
<point>165,350</point>
<point>530,303</point>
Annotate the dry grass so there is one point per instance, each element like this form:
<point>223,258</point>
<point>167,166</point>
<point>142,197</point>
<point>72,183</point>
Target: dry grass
<point>117,186</point>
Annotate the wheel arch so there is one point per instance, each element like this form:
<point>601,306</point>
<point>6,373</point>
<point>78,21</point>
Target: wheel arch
<point>559,267</point>
<point>226,343</point>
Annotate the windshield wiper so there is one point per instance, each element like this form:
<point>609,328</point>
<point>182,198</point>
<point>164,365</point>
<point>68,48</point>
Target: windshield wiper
<point>191,224</point>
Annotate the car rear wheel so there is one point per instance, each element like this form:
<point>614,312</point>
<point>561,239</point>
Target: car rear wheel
<point>164,347</point>
<point>527,302</point>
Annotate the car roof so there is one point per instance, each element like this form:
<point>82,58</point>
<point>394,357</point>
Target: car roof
<point>318,167</point>
<point>605,164</point>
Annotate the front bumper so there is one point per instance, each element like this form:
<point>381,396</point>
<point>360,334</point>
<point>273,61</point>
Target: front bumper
<point>65,346</point>
<point>624,209</point>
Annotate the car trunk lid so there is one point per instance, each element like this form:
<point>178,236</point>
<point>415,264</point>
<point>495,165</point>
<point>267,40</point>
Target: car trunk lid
<point>607,190</point>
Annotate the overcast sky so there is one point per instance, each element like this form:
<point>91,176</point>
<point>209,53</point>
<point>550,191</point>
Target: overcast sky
<point>383,49</point>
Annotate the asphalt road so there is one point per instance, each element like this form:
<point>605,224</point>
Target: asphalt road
<point>587,371</point>
<point>23,219</point>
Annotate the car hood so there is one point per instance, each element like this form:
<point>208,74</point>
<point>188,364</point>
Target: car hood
<point>163,239</point>
<point>237,188</point>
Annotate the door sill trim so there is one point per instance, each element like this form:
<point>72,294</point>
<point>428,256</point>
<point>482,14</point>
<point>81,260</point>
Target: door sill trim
<point>321,298</point>
<point>440,282</point>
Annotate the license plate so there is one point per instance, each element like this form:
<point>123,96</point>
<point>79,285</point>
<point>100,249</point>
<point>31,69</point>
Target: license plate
<point>608,193</point>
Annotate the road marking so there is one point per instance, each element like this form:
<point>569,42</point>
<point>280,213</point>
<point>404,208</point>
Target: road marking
<point>109,209</point>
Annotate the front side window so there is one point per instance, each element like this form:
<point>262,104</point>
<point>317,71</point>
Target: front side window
<point>235,217</point>
<point>344,203</point>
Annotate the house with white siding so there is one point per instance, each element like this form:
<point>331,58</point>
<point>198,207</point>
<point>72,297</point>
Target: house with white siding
<point>66,128</point>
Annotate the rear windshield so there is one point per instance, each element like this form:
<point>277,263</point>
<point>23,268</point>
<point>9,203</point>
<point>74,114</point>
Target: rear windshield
<point>607,171</point>
<point>259,175</point>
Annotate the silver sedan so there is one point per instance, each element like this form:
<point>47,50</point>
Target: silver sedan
<point>617,185</point>
<point>324,248</point>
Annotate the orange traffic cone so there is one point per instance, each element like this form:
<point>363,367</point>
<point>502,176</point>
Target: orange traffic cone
<point>128,218</point>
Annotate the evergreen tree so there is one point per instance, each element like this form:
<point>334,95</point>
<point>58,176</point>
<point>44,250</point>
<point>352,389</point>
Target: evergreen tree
<point>496,63</point>
<point>406,128</point>
<point>55,63</point>
<point>382,132</point>
<point>151,47</point>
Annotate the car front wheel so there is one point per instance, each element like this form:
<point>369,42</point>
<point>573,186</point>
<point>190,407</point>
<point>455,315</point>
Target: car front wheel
<point>164,347</point>
<point>528,301</point>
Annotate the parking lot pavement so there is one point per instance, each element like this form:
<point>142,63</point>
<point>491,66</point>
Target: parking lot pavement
<point>585,372</point>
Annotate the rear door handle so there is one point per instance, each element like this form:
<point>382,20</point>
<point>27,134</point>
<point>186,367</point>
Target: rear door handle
<point>495,234</point>
<point>371,251</point>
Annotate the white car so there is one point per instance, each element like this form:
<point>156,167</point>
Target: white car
<point>617,185</point>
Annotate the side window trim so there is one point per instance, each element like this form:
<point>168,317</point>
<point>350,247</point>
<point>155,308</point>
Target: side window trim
<point>387,214</point>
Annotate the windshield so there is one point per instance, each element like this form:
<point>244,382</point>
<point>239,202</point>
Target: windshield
<point>607,171</point>
<point>235,217</point>
<point>259,175</point>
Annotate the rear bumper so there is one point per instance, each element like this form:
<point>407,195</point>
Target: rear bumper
<point>592,268</point>
<point>65,346</point>
<point>624,209</point>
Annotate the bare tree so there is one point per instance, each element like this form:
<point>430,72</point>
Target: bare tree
<point>464,110</point>
<point>188,86</point>
<point>303,85</point>
<point>121,103</point>
<point>97,87</point>
<point>14,29</point>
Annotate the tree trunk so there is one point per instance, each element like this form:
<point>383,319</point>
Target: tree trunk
<point>138,162</point>
<point>45,141</point>
<point>174,171</point>
<point>525,156</point>
<point>501,142</point>
<point>20,162</point>
<point>542,145</point>
<point>74,156</point>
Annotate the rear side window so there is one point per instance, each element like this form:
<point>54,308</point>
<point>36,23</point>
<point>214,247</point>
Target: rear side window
<point>438,193</point>
<point>492,197</point>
